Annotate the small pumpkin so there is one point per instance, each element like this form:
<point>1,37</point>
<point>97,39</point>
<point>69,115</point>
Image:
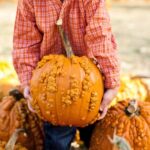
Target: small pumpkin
<point>67,90</point>
<point>18,124</point>
<point>130,119</point>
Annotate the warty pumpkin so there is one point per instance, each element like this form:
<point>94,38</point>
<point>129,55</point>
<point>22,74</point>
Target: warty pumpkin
<point>18,125</point>
<point>130,119</point>
<point>67,90</point>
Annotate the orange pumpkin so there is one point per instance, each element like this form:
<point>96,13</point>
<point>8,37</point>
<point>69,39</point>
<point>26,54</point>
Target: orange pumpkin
<point>18,124</point>
<point>67,90</point>
<point>130,119</point>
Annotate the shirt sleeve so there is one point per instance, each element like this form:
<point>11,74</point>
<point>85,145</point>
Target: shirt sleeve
<point>100,42</point>
<point>26,41</point>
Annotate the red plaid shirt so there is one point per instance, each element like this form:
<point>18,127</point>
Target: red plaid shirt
<point>86,23</point>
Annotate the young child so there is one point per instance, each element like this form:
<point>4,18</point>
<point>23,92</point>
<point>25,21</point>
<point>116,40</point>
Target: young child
<point>87,25</point>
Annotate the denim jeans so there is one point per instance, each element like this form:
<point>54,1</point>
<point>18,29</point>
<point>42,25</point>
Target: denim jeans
<point>58,138</point>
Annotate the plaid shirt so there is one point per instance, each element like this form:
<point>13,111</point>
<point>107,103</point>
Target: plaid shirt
<point>86,23</point>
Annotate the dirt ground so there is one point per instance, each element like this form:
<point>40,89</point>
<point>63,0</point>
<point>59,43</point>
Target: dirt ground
<point>131,26</point>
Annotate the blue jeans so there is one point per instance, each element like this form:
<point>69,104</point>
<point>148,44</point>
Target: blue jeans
<point>58,138</point>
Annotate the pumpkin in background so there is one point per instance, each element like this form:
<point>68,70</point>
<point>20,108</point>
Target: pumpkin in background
<point>8,77</point>
<point>130,119</point>
<point>145,81</point>
<point>19,125</point>
<point>136,87</point>
<point>67,90</point>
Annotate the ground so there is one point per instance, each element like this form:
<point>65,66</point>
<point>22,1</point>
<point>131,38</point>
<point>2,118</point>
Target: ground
<point>130,26</point>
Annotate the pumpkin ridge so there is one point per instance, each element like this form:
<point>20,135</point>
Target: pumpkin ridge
<point>68,116</point>
<point>82,99</point>
<point>79,98</point>
<point>55,102</point>
<point>55,96</point>
<point>58,94</point>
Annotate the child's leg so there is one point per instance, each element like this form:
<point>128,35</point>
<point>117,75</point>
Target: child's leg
<point>58,138</point>
<point>85,134</point>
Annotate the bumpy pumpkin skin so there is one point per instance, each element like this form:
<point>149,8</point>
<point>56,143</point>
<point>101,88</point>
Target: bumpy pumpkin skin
<point>135,129</point>
<point>67,91</point>
<point>14,115</point>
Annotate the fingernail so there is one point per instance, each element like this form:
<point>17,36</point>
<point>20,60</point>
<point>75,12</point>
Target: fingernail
<point>101,109</point>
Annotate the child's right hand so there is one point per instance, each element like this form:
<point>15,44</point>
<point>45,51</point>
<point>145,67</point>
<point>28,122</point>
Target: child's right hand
<point>27,95</point>
<point>26,92</point>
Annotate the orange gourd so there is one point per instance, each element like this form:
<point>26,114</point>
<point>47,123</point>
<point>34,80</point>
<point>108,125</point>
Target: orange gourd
<point>67,90</point>
<point>19,127</point>
<point>130,120</point>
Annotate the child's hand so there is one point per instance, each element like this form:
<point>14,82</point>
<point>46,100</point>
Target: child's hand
<point>26,92</point>
<point>27,95</point>
<point>109,95</point>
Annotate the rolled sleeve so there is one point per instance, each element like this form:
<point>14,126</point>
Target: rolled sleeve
<point>100,41</point>
<point>26,41</point>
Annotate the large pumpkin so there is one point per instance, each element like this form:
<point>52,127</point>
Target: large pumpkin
<point>18,124</point>
<point>67,90</point>
<point>130,119</point>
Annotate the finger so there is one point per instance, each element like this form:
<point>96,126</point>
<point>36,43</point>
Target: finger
<point>104,104</point>
<point>27,93</point>
<point>30,107</point>
<point>103,113</point>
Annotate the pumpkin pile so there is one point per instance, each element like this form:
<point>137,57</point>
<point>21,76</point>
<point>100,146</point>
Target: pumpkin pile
<point>145,81</point>
<point>130,120</point>
<point>19,128</point>
<point>8,77</point>
<point>67,90</point>
<point>136,87</point>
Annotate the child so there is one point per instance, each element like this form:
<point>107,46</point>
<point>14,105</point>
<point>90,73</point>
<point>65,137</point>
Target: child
<point>87,25</point>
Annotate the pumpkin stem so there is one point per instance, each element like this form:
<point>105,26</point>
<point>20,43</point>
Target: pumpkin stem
<point>65,40</point>
<point>13,139</point>
<point>16,94</point>
<point>132,108</point>
<point>119,143</point>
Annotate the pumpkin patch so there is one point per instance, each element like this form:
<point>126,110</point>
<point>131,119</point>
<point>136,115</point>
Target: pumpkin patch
<point>19,128</point>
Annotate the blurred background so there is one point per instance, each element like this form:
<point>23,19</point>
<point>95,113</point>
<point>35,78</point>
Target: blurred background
<point>130,21</point>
